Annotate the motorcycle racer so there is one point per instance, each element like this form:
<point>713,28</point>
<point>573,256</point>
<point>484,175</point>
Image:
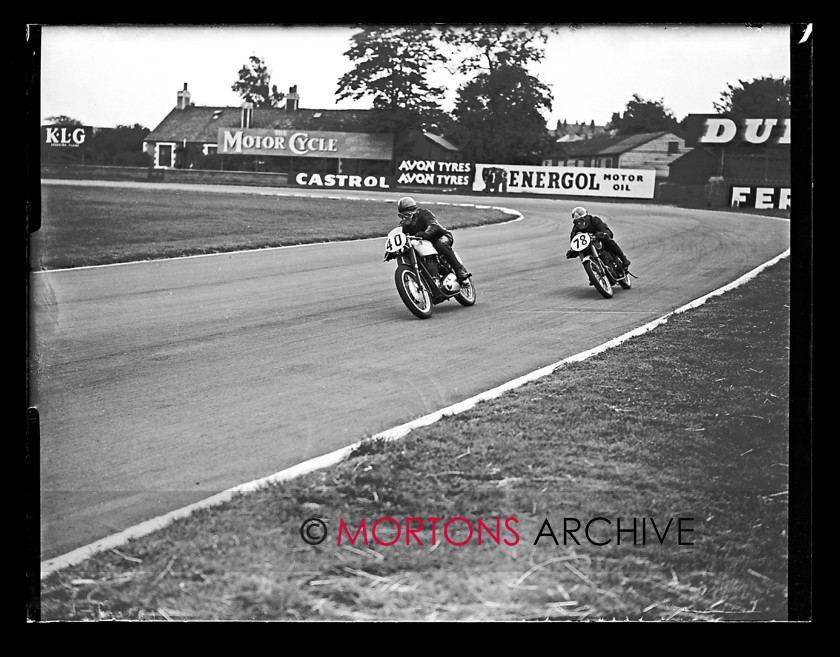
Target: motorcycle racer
<point>583,222</point>
<point>420,222</point>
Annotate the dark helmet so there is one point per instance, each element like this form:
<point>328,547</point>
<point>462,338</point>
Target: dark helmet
<point>406,206</point>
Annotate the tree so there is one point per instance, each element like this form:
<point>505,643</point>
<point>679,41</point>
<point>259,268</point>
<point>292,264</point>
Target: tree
<point>498,112</point>
<point>486,47</point>
<point>254,84</point>
<point>392,65</point>
<point>765,97</point>
<point>61,120</point>
<point>497,117</point>
<point>120,146</point>
<point>644,116</point>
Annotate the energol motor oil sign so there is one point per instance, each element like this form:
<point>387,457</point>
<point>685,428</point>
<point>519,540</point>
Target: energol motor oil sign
<point>569,181</point>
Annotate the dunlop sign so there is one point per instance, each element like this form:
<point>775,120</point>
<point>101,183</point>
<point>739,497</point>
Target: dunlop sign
<point>564,181</point>
<point>719,130</point>
<point>295,143</point>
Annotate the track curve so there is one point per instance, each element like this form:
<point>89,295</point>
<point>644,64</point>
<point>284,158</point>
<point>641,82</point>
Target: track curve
<point>159,384</point>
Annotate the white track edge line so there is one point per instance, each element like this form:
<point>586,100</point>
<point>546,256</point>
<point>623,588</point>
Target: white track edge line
<point>154,524</point>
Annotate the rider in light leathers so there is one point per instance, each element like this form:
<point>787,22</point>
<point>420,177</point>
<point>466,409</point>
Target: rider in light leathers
<point>422,223</point>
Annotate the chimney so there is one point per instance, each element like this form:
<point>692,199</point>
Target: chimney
<point>183,98</point>
<point>247,115</point>
<point>292,99</point>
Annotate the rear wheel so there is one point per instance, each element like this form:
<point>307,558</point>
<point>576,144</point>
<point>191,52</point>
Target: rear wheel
<point>413,292</point>
<point>598,278</point>
<point>466,297</point>
<point>625,282</point>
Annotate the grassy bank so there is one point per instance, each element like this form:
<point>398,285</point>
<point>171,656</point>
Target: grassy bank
<point>683,428</point>
<point>96,225</point>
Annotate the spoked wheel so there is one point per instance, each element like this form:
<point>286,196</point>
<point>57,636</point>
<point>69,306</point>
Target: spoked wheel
<point>598,278</point>
<point>466,297</point>
<point>625,282</point>
<point>413,292</point>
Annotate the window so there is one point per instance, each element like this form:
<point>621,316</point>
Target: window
<point>673,147</point>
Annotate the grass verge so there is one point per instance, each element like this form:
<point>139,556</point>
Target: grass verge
<point>85,226</point>
<point>683,428</point>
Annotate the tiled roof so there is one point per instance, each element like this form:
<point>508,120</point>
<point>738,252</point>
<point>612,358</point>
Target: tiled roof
<point>631,142</point>
<point>604,144</point>
<point>202,124</point>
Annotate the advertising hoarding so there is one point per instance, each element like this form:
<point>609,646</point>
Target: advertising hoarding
<point>759,197</point>
<point>312,143</point>
<point>435,173</point>
<point>340,181</point>
<point>68,136</point>
<point>564,181</point>
<point>716,130</point>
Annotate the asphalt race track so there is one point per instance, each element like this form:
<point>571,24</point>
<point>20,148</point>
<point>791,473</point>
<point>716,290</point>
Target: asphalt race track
<point>162,383</point>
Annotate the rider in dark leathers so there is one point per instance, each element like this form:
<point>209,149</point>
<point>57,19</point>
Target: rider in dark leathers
<point>583,222</point>
<point>422,223</point>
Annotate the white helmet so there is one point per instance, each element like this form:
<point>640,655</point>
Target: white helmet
<point>579,212</point>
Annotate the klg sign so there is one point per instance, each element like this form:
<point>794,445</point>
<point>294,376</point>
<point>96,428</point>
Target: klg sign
<point>65,136</point>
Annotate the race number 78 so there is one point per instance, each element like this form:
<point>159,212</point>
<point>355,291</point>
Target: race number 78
<point>580,241</point>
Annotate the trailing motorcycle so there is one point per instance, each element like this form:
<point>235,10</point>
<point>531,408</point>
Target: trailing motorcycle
<point>424,278</point>
<point>602,267</point>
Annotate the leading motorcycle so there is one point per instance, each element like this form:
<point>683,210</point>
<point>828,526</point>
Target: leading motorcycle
<point>424,278</point>
<point>602,267</point>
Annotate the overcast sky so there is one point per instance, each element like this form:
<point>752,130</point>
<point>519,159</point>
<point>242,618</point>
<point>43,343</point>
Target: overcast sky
<point>108,75</point>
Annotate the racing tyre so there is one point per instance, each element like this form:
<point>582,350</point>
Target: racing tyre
<point>625,282</point>
<point>598,279</point>
<point>466,297</point>
<point>413,292</point>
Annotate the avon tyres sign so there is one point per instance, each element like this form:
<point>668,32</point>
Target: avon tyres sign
<point>350,145</point>
<point>564,181</point>
<point>436,174</point>
<point>72,136</point>
<point>712,129</point>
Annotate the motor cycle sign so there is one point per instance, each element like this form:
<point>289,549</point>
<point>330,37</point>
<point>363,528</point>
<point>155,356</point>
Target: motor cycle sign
<point>565,181</point>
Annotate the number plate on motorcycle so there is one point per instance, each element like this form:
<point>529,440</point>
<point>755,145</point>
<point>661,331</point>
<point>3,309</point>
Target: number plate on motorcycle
<point>580,241</point>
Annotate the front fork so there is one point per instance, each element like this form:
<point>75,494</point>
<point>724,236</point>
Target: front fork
<point>412,261</point>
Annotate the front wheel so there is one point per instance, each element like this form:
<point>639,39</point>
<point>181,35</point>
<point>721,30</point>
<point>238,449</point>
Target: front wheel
<point>598,278</point>
<point>466,297</point>
<point>413,292</point>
